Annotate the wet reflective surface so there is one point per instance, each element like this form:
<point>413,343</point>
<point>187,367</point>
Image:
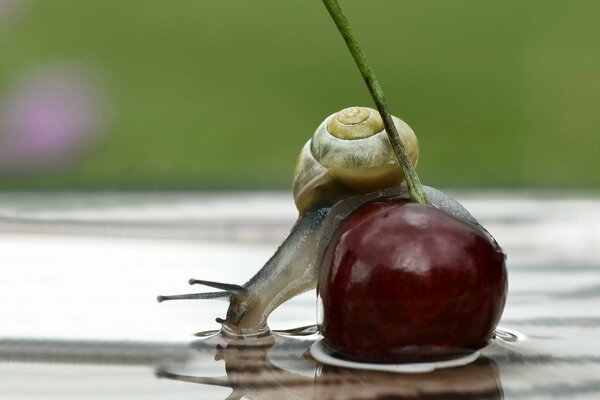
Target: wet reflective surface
<point>79,276</point>
<point>274,366</point>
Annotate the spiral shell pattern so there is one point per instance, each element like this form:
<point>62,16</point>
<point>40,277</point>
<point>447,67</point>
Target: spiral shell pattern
<point>349,154</point>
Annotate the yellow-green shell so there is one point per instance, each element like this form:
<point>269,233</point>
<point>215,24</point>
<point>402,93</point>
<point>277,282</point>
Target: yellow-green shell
<point>348,154</point>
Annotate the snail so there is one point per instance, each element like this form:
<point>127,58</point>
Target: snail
<point>347,163</point>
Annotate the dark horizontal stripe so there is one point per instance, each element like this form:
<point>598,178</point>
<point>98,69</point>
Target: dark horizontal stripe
<point>565,268</point>
<point>582,322</point>
<point>92,352</point>
<point>232,230</point>
<point>583,293</point>
<point>580,293</point>
<point>246,347</point>
<point>146,228</point>
<point>336,382</point>
<point>291,346</point>
<point>563,390</point>
<point>521,359</point>
<point>488,395</point>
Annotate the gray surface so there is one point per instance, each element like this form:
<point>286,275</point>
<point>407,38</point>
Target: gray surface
<point>79,274</point>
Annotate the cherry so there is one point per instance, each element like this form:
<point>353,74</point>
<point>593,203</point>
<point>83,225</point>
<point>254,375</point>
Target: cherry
<point>406,282</point>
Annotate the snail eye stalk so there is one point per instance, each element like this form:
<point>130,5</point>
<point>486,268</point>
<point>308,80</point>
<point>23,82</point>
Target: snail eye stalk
<point>229,290</point>
<point>228,287</point>
<point>196,296</point>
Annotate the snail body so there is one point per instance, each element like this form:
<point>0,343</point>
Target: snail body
<point>347,163</point>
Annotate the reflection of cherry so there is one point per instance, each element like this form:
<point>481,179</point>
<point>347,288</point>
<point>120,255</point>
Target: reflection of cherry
<point>409,283</point>
<point>252,374</point>
<point>479,380</point>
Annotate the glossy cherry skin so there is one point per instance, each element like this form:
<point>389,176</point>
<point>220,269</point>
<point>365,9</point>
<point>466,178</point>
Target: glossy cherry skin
<point>403,282</point>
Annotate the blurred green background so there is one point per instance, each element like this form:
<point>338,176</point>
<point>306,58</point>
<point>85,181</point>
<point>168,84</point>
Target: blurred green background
<point>222,94</point>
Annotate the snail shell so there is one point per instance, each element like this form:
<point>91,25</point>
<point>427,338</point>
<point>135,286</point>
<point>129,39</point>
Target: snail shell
<point>349,154</point>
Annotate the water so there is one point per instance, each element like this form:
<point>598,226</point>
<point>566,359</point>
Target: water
<point>281,367</point>
<point>80,320</point>
<point>280,364</point>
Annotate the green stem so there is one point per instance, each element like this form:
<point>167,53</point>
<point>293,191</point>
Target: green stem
<point>415,189</point>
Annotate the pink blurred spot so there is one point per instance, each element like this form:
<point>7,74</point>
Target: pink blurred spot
<point>50,120</point>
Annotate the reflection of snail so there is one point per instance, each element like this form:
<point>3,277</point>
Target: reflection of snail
<point>347,163</point>
<point>262,369</point>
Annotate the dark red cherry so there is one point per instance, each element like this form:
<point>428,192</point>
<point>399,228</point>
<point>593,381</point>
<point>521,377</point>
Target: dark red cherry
<point>404,282</point>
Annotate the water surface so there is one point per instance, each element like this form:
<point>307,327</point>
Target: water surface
<point>78,283</point>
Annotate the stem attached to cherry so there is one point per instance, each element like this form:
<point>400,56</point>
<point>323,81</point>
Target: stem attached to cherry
<point>415,189</point>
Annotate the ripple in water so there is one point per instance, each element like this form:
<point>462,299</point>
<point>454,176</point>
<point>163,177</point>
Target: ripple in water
<point>205,334</point>
<point>322,354</point>
<point>508,335</point>
<point>300,331</point>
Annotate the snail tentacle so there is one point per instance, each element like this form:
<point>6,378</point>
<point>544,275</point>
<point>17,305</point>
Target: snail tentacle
<point>228,287</point>
<point>196,296</point>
